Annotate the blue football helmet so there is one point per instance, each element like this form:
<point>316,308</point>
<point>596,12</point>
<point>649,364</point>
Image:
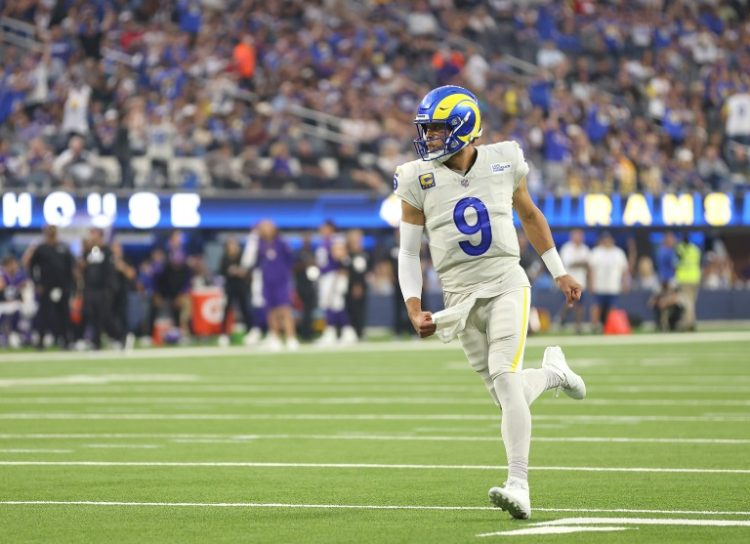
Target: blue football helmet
<point>457,109</point>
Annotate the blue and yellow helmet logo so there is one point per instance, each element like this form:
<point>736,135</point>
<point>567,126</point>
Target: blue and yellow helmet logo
<point>456,111</point>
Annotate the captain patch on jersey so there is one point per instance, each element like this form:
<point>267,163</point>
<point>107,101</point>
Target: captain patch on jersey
<point>427,181</point>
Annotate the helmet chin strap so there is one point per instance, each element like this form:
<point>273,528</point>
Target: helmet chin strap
<point>447,156</point>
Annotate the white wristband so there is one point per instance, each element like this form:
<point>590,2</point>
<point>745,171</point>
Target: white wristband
<point>553,262</point>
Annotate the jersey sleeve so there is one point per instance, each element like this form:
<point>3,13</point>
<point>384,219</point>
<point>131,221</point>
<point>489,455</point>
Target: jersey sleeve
<point>405,186</point>
<point>521,168</point>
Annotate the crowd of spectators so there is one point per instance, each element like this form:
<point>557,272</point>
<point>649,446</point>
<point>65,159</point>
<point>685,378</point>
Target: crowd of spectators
<point>320,94</point>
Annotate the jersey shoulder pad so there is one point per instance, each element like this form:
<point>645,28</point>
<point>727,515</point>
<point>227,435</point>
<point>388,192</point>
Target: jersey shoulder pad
<point>506,150</point>
<point>508,156</point>
<point>413,175</point>
<point>409,172</point>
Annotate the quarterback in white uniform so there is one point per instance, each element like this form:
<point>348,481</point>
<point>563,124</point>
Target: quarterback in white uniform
<point>462,196</point>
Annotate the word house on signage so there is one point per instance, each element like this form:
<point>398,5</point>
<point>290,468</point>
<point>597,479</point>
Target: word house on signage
<point>142,210</point>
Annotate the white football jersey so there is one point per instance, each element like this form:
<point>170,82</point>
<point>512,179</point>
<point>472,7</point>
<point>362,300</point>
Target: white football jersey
<point>608,265</point>
<point>469,218</point>
<point>576,258</point>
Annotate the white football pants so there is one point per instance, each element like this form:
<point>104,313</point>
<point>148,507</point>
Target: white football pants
<point>494,341</point>
<point>332,287</point>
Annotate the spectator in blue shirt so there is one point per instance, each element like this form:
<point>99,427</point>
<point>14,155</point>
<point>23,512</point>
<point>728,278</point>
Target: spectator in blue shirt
<point>666,259</point>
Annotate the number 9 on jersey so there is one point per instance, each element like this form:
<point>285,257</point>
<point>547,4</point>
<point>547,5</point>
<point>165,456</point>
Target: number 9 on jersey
<point>482,225</point>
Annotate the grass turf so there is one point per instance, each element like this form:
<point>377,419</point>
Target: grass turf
<point>677,406</point>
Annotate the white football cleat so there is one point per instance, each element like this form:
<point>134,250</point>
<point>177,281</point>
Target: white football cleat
<point>329,337</point>
<point>14,340</point>
<point>253,337</point>
<point>513,497</point>
<point>129,341</point>
<point>272,342</point>
<point>570,382</point>
<point>223,341</point>
<point>349,335</point>
<point>292,344</point>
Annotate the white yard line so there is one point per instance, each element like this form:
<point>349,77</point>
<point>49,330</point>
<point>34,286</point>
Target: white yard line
<point>395,466</point>
<point>577,418</point>
<point>122,446</point>
<point>350,400</point>
<point>645,511</point>
<point>18,450</point>
<point>199,387</point>
<point>676,388</point>
<point>96,379</point>
<point>320,384</point>
<point>570,525</point>
<point>401,438</point>
<point>648,521</point>
<point>364,507</point>
<point>537,530</point>
<point>380,347</point>
<point>661,402</point>
<point>210,438</point>
<point>269,401</point>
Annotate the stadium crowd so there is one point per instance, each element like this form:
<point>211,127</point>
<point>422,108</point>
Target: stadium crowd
<point>647,95</point>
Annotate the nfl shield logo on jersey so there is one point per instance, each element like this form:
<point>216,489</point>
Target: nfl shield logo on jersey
<point>427,180</point>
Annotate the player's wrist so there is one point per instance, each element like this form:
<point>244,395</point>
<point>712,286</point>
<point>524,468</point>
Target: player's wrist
<point>554,263</point>
<point>413,307</point>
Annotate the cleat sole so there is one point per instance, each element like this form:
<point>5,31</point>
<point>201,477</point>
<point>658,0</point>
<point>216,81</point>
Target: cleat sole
<point>508,505</point>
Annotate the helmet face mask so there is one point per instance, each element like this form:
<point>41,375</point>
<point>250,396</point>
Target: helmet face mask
<point>431,143</point>
<point>447,120</point>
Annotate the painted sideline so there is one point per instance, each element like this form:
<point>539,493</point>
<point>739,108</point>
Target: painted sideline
<point>250,464</point>
<point>369,347</point>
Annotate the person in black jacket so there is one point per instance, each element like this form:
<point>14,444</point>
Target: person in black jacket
<point>172,290</point>
<point>125,276</point>
<point>100,282</point>
<point>305,274</point>
<point>236,287</point>
<point>50,265</point>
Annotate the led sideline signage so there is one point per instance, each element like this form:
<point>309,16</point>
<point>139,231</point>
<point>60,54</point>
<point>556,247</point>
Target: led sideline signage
<point>142,210</point>
<point>146,210</point>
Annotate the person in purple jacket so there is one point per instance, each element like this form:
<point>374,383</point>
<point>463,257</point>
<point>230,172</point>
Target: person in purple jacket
<point>12,282</point>
<point>271,254</point>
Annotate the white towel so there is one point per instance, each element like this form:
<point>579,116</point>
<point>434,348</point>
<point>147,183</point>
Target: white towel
<point>451,321</point>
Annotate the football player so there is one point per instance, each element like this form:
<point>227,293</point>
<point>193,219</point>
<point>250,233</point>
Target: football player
<point>330,256</point>
<point>462,196</point>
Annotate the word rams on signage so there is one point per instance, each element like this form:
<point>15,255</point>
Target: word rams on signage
<point>676,210</point>
<point>60,209</point>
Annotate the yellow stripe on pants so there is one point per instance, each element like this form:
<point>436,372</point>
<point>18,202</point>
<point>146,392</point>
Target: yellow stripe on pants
<point>524,328</point>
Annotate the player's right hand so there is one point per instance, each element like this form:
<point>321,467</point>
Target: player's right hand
<point>570,288</point>
<point>423,324</point>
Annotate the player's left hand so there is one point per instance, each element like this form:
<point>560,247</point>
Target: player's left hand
<point>570,288</point>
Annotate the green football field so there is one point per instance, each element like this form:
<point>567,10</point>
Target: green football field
<point>383,442</point>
